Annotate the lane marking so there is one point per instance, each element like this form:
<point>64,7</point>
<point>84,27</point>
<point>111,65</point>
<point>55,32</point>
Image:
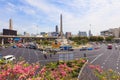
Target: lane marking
<point>117,64</point>
<point>119,73</point>
<point>101,66</point>
<point>104,63</point>
<point>96,58</point>
<point>116,67</point>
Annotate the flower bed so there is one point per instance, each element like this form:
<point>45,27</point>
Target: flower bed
<point>105,75</point>
<point>52,71</point>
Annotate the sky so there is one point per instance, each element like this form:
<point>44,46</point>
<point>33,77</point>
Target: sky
<point>35,16</point>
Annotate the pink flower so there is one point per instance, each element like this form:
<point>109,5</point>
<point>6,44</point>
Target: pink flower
<point>92,66</point>
<point>58,78</point>
<point>43,70</point>
<point>37,66</point>
<point>21,77</point>
<point>98,68</point>
<point>63,73</point>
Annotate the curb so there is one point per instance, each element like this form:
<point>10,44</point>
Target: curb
<point>82,69</point>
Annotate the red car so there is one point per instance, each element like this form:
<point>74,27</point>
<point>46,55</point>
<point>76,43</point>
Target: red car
<point>109,46</point>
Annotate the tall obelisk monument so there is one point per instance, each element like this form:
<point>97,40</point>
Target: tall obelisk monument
<point>61,27</point>
<point>10,24</point>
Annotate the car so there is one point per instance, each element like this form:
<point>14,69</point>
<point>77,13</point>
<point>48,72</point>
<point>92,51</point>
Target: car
<point>57,50</point>
<point>61,48</point>
<point>97,47</point>
<point>70,49</point>
<point>14,46</point>
<point>109,46</point>
<point>90,48</point>
<point>41,49</point>
<point>48,49</point>
<point>84,48</point>
<point>32,47</point>
<point>9,58</point>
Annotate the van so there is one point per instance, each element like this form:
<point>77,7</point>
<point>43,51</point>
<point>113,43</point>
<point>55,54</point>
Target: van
<point>9,58</point>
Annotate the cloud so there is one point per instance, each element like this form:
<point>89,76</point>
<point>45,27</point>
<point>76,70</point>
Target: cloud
<point>77,14</point>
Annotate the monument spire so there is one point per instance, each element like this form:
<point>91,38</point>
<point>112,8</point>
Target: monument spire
<point>61,28</point>
<point>10,24</point>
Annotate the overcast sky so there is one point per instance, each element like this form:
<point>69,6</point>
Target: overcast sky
<point>35,16</point>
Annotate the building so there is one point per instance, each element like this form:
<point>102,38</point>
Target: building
<point>111,32</point>
<point>26,34</point>
<point>56,29</point>
<point>42,33</point>
<point>9,32</point>
<point>52,34</point>
<point>68,34</point>
<point>90,34</point>
<point>106,33</point>
<point>82,34</point>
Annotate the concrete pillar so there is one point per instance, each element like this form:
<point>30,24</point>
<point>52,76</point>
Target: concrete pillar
<point>2,41</point>
<point>23,40</point>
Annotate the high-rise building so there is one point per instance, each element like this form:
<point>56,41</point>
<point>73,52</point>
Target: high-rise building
<point>10,24</point>
<point>56,29</point>
<point>90,34</point>
<point>68,34</point>
<point>82,34</point>
<point>43,33</point>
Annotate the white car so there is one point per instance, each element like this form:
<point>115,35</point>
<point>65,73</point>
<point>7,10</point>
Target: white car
<point>9,58</point>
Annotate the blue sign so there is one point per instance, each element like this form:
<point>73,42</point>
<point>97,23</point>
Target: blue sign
<point>16,39</point>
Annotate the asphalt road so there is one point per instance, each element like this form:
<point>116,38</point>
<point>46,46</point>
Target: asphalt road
<point>32,56</point>
<point>106,58</point>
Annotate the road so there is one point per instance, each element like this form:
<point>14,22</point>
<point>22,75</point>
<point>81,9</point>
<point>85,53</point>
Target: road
<point>106,58</point>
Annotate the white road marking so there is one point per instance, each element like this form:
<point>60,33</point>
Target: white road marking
<point>101,66</point>
<point>96,58</point>
<point>119,73</point>
<point>117,64</point>
<point>103,63</point>
<point>116,67</point>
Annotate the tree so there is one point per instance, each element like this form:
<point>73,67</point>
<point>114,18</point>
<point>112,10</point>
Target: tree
<point>109,39</point>
<point>93,38</point>
<point>99,38</point>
